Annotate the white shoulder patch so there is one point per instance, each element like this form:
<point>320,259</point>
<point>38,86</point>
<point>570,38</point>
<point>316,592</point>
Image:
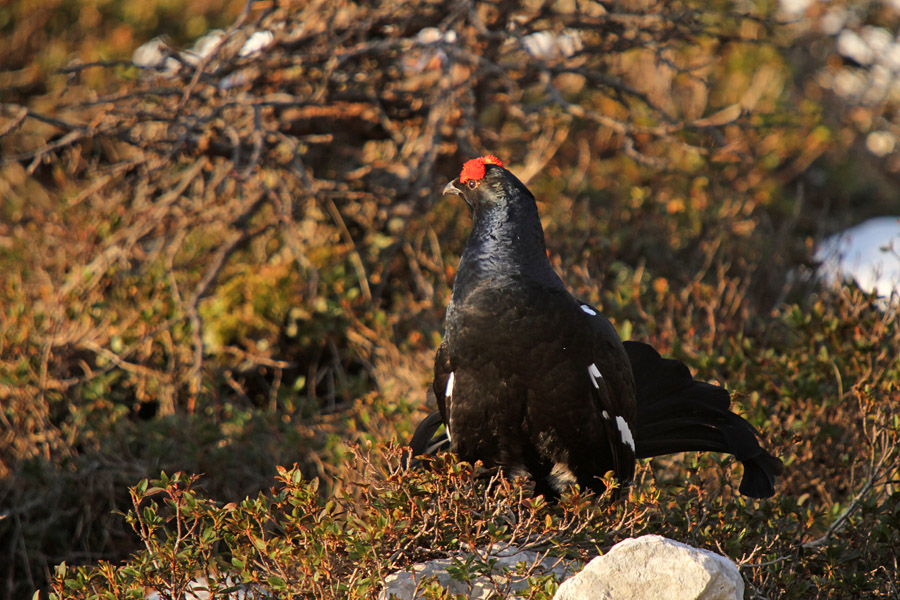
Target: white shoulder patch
<point>589,310</point>
<point>595,374</point>
<point>449,391</point>
<point>448,394</point>
<point>627,438</point>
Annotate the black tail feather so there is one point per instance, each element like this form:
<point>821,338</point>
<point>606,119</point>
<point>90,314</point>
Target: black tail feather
<point>422,436</point>
<point>422,442</point>
<point>675,413</point>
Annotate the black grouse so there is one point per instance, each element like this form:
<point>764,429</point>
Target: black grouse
<point>531,380</point>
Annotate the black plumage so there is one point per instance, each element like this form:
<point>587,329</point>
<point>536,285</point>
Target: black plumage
<point>531,380</point>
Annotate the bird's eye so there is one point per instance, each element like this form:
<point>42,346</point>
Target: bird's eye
<point>472,184</point>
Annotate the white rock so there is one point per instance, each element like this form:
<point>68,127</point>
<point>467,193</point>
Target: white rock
<point>878,86</point>
<point>851,45</point>
<point>880,76</point>
<point>654,567</point>
<point>881,143</point>
<point>204,46</point>
<point>433,35</point>
<point>878,39</point>
<point>849,82</point>
<point>256,43</point>
<point>501,581</point>
<point>149,55</point>
<point>152,54</point>
<point>795,8</point>
<point>547,45</point>
<point>429,35</point>
<point>569,43</point>
<point>834,20</point>
<point>868,253</point>
<point>891,57</point>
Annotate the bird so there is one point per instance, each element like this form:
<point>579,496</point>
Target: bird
<point>533,381</point>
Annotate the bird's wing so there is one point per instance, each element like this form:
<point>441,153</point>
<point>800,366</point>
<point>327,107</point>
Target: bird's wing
<point>423,441</point>
<point>442,373</point>
<point>613,390</point>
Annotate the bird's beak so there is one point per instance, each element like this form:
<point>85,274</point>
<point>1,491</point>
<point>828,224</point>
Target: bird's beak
<point>451,188</point>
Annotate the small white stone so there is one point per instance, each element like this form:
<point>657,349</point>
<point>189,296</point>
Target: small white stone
<point>625,431</point>
<point>204,46</point>
<point>891,57</point>
<point>825,79</point>
<point>851,45</point>
<point>878,39</point>
<point>849,82</point>
<point>568,43</point>
<point>234,80</point>
<point>150,55</point>
<point>257,42</point>
<point>795,7</point>
<point>539,44</point>
<point>433,35</point>
<point>547,45</point>
<point>881,143</point>
<point>834,20</point>
<point>429,35</point>
<point>881,77</point>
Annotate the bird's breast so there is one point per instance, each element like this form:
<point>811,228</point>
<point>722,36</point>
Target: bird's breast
<point>518,328</point>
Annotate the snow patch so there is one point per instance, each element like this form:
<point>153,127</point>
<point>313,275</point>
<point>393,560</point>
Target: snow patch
<point>868,253</point>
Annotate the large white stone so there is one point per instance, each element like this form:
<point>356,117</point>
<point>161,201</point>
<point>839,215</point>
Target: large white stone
<point>655,567</point>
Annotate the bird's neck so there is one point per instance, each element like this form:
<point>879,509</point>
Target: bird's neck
<point>507,242</point>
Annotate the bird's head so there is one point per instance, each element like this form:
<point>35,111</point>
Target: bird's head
<point>485,184</point>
